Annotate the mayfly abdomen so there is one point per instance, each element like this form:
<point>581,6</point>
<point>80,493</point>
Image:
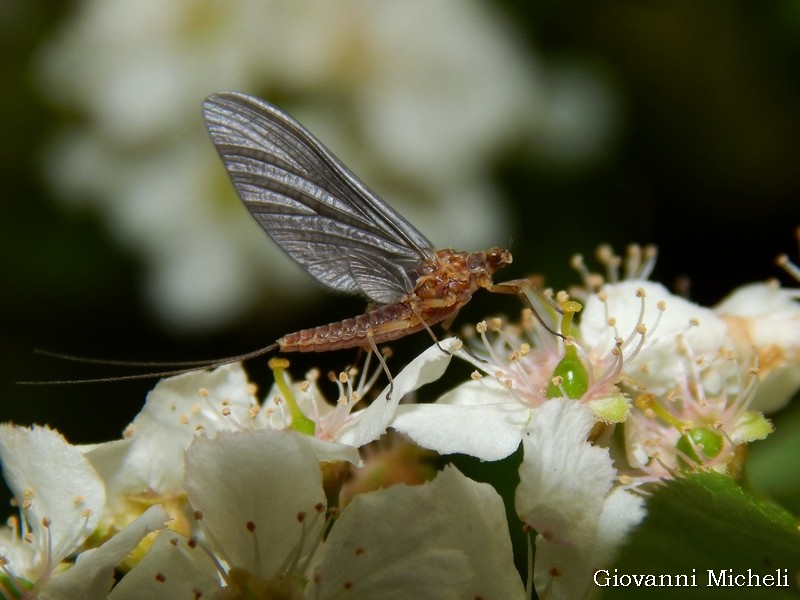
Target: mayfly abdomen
<point>382,324</point>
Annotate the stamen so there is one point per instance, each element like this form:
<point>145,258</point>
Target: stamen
<point>193,543</point>
<point>641,329</point>
<point>250,526</point>
<point>579,265</point>
<point>311,552</point>
<point>633,261</point>
<point>650,257</point>
<point>787,265</point>
<point>606,256</point>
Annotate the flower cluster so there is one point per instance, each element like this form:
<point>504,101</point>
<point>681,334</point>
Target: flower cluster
<point>215,492</point>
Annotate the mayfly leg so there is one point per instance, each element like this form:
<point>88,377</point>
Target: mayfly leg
<point>380,358</point>
<point>427,327</point>
<point>519,287</point>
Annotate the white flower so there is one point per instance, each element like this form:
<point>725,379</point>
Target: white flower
<point>689,428</point>
<point>564,479</point>
<point>259,501</point>
<point>148,465</point>
<point>765,319</point>
<point>61,499</point>
<point>527,365</point>
<point>148,462</point>
<point>667,324</point>
<point>564,572</point>
<point>567,494</point>
<point>340,421</point>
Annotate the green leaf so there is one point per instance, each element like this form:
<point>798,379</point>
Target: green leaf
<point>706,522</point>
<point>772,464</point>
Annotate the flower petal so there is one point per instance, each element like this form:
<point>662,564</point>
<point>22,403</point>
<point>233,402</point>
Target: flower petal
<point>177,410</point>
<point>172,568</point>
<point>444,539</point>
<point>64,488</point>
<point>659,364</point>
<point>565,572</point>
<point>765,318</point>
<point>258,492</point>
<point>369,424</point>
<point>93,573</point>
<point>563,478</point>
<point>478,418</point>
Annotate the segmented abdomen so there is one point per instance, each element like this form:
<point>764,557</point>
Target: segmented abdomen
<point>383,324</point>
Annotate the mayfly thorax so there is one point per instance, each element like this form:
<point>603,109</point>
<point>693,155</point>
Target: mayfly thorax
<point>339,231</point>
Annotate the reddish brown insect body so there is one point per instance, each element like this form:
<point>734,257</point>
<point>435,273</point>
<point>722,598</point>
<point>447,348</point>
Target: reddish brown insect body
<point>445,284</point>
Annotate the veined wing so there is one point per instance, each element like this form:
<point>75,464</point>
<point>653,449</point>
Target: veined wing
<point>310,204</point>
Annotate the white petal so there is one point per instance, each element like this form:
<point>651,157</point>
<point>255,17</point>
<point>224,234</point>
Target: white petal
<point>766,318</point>
<point>177,410</point>
<point>479,526</point>
<point>777,389</point>
<point>172,568</point>
<point>332,451</point>
<point>109,460</point>
<point>444,539</point>
<point>760,300</point>
<point>563,478</point>
<point>20,555</point>
<point>263,479</point>
<point>93,573</point>
<point>478,418</point>
<point>369,424</point>
<point>51,479</point>
<point>660,363</point>
<point>566,572</point>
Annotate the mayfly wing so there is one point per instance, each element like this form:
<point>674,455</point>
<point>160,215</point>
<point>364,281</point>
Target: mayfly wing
<point>310,204</point>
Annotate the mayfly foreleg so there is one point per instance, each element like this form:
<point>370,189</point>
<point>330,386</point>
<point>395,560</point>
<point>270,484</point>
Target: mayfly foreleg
<point>520,287</point>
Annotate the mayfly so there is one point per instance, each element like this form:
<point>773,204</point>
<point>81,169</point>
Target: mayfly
<point>339,231</point>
